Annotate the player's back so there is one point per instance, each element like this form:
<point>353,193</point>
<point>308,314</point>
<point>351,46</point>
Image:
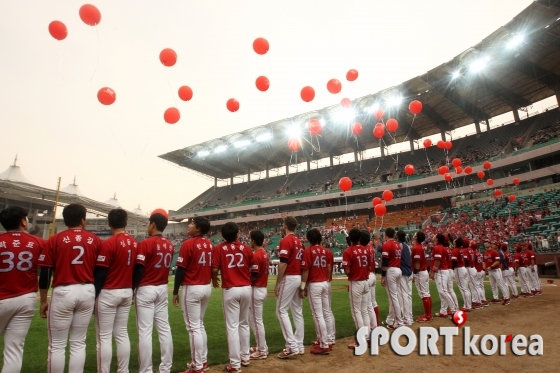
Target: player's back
<point>155,254</point>
<point>118,253</point>
<point>234,260</point>
<point>260,266</point>
<point>19,253</point>
<point>391,250</point>
<point>315,259</point>
<point>195,256</point>
<point>291,249</point>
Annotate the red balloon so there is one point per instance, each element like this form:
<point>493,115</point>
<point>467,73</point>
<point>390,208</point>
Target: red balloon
<point>185,93</point>
<point>487,165</point>
<point>352,75</point>
<point>511,198</point>
<point>346,103</point>
<point>427,143</point>
<point>516,181</point>
<point>458,170</point>
<point>497,192</point>
<point>441,144</point>
<point>380,210</point>
<point>379,125</point>
<point>160,211</point>
<point>376,201</point>
<point>106,96</point>
<point>334,86</point>
<point>379,132</point>
<point>58,30</point>
<point>409,169</point>
<point>168,57</point>
<point>480,174</point>
<point>387,195</point>
<point>443,170</point>
<point>392,125</point>
<point>171,115</point>
<point>260,46</point>
<point>294,144</point>
<point>90,15</point>
<point>415,107</point>
<point>262,83</point>
<point>448,177</point>
<point>357,128</point>
<point>314,126</point>
<point>307,94</point>
<point>456,162</point>
<point>490,182</point>
<point>468,170</point>
<point>448,145</point>
<point>232,105</point>
<point>379,113</point>
<point>345,184</point>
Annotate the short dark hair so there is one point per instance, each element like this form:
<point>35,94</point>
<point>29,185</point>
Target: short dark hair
<point>420,237</point>
<point>365,238</point>
<point>440,238</point>
<point>12,216</point>
<point>229,231</point>
<point>258,237</point>
<point>159,220</point>
<point>390,232</point>
<point>291,223</point>
<point>201,223</point>
<point>401,236</point>
<point>459,242</point>
<point>314,236</point>
<point>355,235</point>
<point>73,214</point>
<point>117,218</point>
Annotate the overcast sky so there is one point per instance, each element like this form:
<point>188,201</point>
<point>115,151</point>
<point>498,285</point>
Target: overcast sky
<point>50,116</point>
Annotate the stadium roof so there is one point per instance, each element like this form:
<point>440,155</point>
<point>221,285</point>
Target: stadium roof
<point>514,67</point>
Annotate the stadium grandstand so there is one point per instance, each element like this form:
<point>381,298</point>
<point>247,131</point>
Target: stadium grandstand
<point>257,178</point>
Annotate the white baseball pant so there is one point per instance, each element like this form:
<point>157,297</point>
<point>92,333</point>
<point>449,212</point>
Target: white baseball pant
<point>525,279</point>
<point>289,298</point>
<point>373,302</point>
<point>475,290</point>
<point>318,293</point>
<point>422,281</point>
<point>112,307</point>
<point>406,300</point>
<point>236,302</point>
<point>451,288</point>
<point>509,279</point>
<point>194,300</point>
<point>358,292</point>
<point>70,311</point>
<point>479,280</point>
<point>496,280</point>
<point>15,318</point>
<point>152,308</point>
<point>442,283</point>
<point>329,318</point>
<point>462,278</point>
<point>258,296</point>
<point>393,287</point>
<point>535,277</point>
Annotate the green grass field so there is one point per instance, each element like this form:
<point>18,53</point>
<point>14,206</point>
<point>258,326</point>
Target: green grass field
<point>35,354</point>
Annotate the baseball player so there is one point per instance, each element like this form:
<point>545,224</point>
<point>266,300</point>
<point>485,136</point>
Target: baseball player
<point>406,279</point>
<point>287,289</point>
<point>420,276</point>
<point>440,273</point>
<point>479,279</point>
<point>194,274</point>
<point>233,260</point>
<point>71,255</point>
<point>492,266</point>
<point>522,264</point>
<point>259,282</point>
<point>468,251</point>
<point>314,282</point>
<point>331,326</point>
<point>534,271</point>
<point>451,276</point>
<point>150,278</point>
<point>113,290</point>
<point>461,273</point>
<point>19,253</point>
<point>391,278</point>
<point>507,271</point>
<point>373,309</point>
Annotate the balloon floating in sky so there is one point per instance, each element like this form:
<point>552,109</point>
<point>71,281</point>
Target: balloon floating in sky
<point>357,128</point>
<point>90,14</point>
<point>334,86</point>
<point>379,132</point>
<point>346,103</point>
<point>409,169</point>
<point>511,198</point>
<point>261,46</point>
<point>415,107</point>
<point>456,162</point>
<point>171,115</point>
<point>185,93</point>
<point>427,143</point>
<point>262,83</point>
<point>379,113</point>
<point>314,126</point>
<point>58,30</point>
<point>387,195</point>
<point>380,210</point>
<point>168,57</point>
<point>487,165</point>
<point>307,94</point>
<point>106,96</point>
<point>376,201</point>
<point>516,181</point>
<point>294,144</point>
<point>345,184</point>
<point>468,170</point>
<point>352,75</point>
<point>232,105</point>
<point>392,125</point>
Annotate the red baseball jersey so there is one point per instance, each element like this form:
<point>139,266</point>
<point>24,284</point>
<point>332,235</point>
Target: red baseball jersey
<point>330,260</point>
<point>490,257</point>
<point>155,254</point>
<point>525,259</point>
<point>233,259</point>
<point>291,249</point>
<point>356,259</point>
<point>315,260</point>
<point>440,253</point>
<point>419,255</point>
<point>19,253</point>
<point>479,261</point>
<point>259,265</point>
<point>118,253</point>
<point>392,251</point>
<point>72,254</point>
<point>195,256</point>
<point>457,256</point>
<point>471,256</point>
<point>449,257</point>
<point>371,251</point>
<point>531,256</point>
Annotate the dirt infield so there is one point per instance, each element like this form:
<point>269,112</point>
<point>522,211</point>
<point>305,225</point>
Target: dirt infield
<point>527,316</point>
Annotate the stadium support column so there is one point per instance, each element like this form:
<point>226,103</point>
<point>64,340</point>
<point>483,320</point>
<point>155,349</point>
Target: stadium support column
<point>487,124</point>
<point>557,93</point>
<point>215,182</point>
<point>308,164</point>
<point>288,168</point>
<point>515,113</point>
<point>231,180</point>
<point>382,148</point>
<point>477,125</point>
<point>267,168</point>
<point>332,161</point>
<point>248,174</point>
<point>355,156</point>
<point>411,144</point>
<point>443,135</point>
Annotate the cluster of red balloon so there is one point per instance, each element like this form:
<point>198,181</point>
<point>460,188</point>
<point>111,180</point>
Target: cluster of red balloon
<point>447,145</point>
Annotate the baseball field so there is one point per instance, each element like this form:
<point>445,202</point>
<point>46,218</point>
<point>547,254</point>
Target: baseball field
<point>536,315</point>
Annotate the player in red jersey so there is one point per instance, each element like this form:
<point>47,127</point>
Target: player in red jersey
<point>287,289</point>
<point>71,255</point>
<point>259,282</point>
<point>391,278</point>
<point>421,278</point>
<point>461,273</point>
<point>194,274</point>
<point>19,253</point>
<point>534,270</point>
<point>492,266</point>
<point>150,278</point>
<point>441,275</point>
<point>451,272</point>
<point>522,263</point>
<point>479,279</point>
<point>507,271</point>
<point>373,309</point>
<point>468,252</point>
<point>113,288</point>
<point>233,259</point>
<point>314,278</point>
<point>331,328</point>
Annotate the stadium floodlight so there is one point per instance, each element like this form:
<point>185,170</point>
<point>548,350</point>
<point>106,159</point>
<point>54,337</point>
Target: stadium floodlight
<point>203,153</point>
<point>373,108</point>
<point>293,130</point>
<point>395,100</point>
<point>265,136</point>
<point>515,41</point>
<point>456,74</point>
<point>479,64</point>
<point>344,115</point>
<point>220,148</point>
<point>241,143</point>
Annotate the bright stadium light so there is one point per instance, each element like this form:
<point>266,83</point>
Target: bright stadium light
<point>241,143</point>
<point>294,130</point>
<point>456,74</point>
<point>372,108</point>
<point>220,148</point>
<point>344,116</point>
<point>203,153</point>
<point>394,100</point>
<point>479,64</point>
<point>265,136</point>
<point>515,41</point>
